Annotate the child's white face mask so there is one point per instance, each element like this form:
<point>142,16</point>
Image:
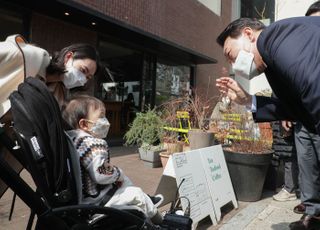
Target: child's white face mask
<point>100,128</point>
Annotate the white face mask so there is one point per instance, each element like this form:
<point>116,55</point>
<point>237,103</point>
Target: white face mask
<point>100,128</point>
<point>244,65</point>
<point>74,78</point>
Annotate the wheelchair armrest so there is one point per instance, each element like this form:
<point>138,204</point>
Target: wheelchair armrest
<point>109,217</point>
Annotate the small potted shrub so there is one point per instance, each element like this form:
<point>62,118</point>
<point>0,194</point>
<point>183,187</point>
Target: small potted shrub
<point>173,139</point>
<point>200,108</point>
<point>146,131</point>
<point>171,144</point>
<point>196,123</point>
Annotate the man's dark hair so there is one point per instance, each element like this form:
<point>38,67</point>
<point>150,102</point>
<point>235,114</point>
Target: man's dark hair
<point>234,28</point>
<point>314,8</point>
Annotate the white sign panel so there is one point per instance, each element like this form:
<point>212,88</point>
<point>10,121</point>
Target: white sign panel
<point>188,167</point>
<point>206,182</point>
<point>218,178</point>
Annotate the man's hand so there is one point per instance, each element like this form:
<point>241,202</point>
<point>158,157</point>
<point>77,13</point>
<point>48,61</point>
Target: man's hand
<point>230,88</point>
<point>287,125</point>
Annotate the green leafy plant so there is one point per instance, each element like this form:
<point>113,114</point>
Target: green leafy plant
<point>146,130</point>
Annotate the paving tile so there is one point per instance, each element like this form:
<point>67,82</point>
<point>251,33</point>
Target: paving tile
<point>264,214</point>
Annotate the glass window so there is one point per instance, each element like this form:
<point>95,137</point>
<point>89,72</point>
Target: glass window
<point>148,81</point>
<point>118,85</point>
<point>260,9</point>
<point>213,5</point>
<point>122,75</point>
<point>172,81</point>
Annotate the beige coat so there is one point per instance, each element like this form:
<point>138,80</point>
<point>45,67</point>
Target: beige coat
<point>18,60</point>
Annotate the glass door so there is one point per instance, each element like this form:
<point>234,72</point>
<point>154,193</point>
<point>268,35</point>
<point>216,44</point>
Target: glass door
<point>118,85</point>
<point>172,81</point>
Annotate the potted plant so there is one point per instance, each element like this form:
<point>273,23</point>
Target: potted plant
<point>146,131</point>
<point>189,116</point>
<point>171,145</point>
<point>247,152</point>
<point>175,130</point>
<point>200,108</point>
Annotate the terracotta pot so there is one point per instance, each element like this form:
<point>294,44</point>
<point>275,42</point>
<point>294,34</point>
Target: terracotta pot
<point>164,157</point>
<point>175,147</point>
<point>186,148</point>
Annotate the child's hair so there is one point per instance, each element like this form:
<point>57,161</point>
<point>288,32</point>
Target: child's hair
<point>78,108</point>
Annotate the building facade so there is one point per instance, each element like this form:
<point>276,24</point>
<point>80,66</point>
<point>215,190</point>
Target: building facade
<point>154,50</point>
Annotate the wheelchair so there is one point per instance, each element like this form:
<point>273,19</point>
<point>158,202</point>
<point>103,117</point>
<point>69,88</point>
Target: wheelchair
<point>55,208</point>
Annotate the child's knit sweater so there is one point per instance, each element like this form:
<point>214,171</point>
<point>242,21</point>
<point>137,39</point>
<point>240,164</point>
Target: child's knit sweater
<point>97,177</point>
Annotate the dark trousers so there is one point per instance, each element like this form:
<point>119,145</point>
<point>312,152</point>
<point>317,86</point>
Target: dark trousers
<point>291,174</point>
<point>308,153</point>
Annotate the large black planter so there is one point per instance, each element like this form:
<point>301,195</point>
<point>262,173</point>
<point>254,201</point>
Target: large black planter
<point>248,173</point>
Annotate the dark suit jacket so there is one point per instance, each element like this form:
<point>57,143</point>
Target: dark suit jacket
<point>291,50</point>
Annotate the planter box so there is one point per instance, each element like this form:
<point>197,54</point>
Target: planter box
<point>247,173</point>
<point>150,158</point>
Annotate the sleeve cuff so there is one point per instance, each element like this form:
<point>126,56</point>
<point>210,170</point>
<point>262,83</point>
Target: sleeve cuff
<point>253,106</point>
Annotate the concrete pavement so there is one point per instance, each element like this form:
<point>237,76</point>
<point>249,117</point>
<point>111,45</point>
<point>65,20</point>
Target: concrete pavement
<point>264,214</point>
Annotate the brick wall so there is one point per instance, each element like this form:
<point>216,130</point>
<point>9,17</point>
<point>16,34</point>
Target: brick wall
<point>206,74</point>
<point>53,34</point>
<point>184,22</point>
<point>187,23</point>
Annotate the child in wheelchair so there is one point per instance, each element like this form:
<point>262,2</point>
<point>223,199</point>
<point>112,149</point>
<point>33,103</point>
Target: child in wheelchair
<point>103,183</point>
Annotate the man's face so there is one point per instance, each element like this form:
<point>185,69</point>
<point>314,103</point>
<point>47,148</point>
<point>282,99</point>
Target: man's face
<point>315,14</point>
<point>231,48</point>
<point>247,42</point>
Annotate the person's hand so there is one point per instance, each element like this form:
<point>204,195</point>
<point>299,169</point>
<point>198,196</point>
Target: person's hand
<point>287,125</point>
<point>108,166</point>
<point>120,180</point>
<point>230,88</point>
<point>118,183</point>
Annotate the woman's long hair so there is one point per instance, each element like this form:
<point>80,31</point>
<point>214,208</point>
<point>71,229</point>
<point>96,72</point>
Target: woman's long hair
<point>79,50</point>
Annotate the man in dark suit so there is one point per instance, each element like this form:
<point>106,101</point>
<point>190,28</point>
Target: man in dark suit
<point>288,52</point>
<point>307,144</point>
